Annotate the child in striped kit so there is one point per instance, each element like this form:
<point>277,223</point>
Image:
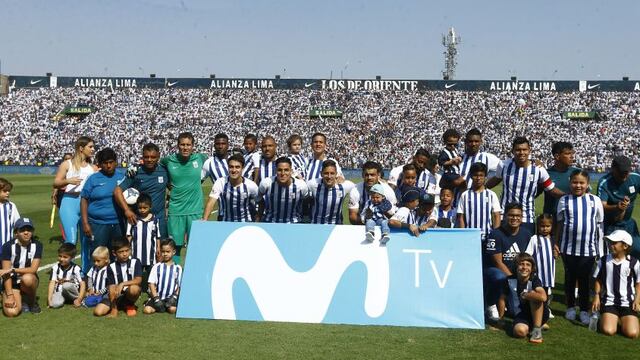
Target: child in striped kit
<point>66,284</point>
<point>8,212</point>
<point>144,235</point>
<point>164,281</point>
<point>377,211</point>
<point>97,279</point>
<point>579,215</point>
<point>542,248</point>
<point>617,284</point>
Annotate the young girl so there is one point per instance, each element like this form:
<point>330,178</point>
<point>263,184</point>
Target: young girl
<point>408,179</point>
<point>298,161</point>
<point>617,284</point>
<point>579,217</point>
<point>541,247</point>
<point>8,212</point>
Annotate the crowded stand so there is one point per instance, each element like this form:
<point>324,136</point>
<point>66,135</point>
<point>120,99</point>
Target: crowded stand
<point>385,126</point>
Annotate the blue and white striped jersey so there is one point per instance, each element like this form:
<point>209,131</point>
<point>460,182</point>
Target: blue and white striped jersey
<point>251,161</point>
<point>520,184</point>
<point>478,209</point>
<point>145,235</point>
<point>582,217</point>
<point>167,278</point>
<point>8,216</point>
<point>490,160</point>
<point>360,195</point>
<point>541,248</point>
<point>327,201</point>
<point>266,168</point>
<point>21,256</point>
<point>72,273</point>
<point>282,204</point>
<point>298,164</point>
<point>97,279</point>
<point>618,280</point>
<point>214,168</point>
<point>236,203</point>
<point>119,272</point>
<point>314,168</point>
<point>411,217</point>
<point>439,213</point>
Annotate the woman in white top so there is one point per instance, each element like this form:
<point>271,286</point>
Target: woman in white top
<point>72,175</point>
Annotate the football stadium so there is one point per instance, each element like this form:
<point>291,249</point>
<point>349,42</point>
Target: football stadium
<point>320,288</point>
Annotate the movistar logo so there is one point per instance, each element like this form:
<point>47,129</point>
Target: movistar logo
<point>284,294</point>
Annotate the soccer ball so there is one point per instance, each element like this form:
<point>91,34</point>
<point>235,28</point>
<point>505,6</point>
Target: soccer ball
<point>131,196</point>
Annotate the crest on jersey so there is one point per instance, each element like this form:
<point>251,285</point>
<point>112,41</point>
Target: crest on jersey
<point>531,177</point>
<point>632,189</point>
<point>160,180</point>
<point>626,272</point>
<point>195,164</point>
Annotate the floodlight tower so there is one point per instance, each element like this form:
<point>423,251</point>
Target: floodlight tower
<point>450,43</point>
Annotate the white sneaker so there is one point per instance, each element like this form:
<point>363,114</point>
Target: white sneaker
<point>551,316</point>
<point>570,314</point>
<point>584,318</point>
<point>369,236</point>
<point>492,313</point>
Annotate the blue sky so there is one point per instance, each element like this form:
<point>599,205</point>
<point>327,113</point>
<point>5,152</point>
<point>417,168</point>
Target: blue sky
<point>572,40</point>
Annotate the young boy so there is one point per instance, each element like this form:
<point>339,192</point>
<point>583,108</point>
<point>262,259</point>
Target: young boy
<point>408,179</point>
<point>8,212</point>
<point>479,207</point>
<point>377,211</point>
<point>298,161</point>
<point>144,235</point>
<point>97,289</point>
<point>526,299</point>
<point>617,285</point>
<point>406,216</point>
<point>19,274</point>
<point>124,277</point>
<point>444,215</point>
<point>449,158</point>
<point>66,284</point>
<point>164,281</point>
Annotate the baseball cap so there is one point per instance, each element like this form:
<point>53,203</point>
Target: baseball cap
<point>378,189</point>
<point>620,235</point>
<point>427,199</point>
<point>621,163</point>
<point>23,222</point>
<point>410,193</point>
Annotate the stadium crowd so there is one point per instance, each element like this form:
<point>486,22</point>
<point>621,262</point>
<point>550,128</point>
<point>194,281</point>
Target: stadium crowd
<point>384,126</point>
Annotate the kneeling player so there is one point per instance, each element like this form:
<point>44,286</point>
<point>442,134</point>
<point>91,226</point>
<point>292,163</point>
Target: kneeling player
<point>164,281</point>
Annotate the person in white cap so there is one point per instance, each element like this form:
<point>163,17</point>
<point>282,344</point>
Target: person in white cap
<point>377,211</point>
<point>617,284</point>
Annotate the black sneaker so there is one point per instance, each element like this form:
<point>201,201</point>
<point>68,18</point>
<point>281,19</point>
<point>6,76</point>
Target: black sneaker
<point>25,308</point>
<point>35,308</point>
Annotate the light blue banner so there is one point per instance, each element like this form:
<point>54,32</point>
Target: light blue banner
<point>329,274</point>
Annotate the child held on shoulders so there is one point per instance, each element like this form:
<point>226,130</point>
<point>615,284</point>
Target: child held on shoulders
<point>66,284</point>
<point>377,211</point>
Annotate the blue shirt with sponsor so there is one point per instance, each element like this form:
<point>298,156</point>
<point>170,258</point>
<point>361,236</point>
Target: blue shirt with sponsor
<point>500,241</point>
<point>98,190</point>
<point>153,183</point>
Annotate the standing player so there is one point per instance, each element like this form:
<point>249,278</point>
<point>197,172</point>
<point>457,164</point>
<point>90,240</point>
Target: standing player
<point>280,197</point>
<point>216,166</point>
<point>298,161</point>
<point>151,179</point>
<point>618,191</point>
<point>358,197</point>
<point>237,194</point>
<point>472,155</point>
<point>420,160</point>
<point>563,159</point>
<point>8,212</point>
<point>316,161</point>
<point>185,203</point>
<point>267,164</point>
<point>328,195</point>
<point>521,179</point>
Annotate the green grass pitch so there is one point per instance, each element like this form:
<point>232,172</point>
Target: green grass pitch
<point>75,334</point>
